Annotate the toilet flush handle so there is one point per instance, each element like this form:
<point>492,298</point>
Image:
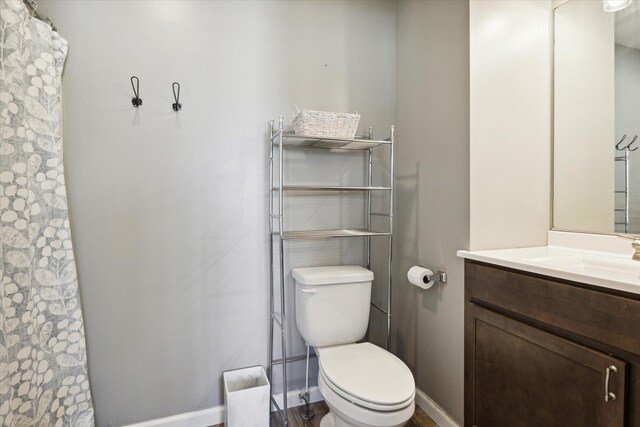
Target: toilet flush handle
<point>309,290</point>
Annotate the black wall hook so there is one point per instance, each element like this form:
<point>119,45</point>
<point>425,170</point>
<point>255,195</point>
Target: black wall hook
<point>628,146</point>
<point>136,100</point>
<point>176,95</point>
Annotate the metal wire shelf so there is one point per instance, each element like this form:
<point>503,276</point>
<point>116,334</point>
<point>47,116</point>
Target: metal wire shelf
<point>328,188</point>
<point>291,139</point>
<point>325,234</point>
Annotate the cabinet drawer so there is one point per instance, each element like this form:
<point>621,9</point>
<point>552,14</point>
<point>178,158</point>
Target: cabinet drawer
<point>603,317</point>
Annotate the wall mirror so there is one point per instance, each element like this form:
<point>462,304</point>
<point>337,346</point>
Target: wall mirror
<point>597,116</point>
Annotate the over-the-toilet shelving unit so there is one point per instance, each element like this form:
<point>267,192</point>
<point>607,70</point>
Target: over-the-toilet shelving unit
<point>279,140</point>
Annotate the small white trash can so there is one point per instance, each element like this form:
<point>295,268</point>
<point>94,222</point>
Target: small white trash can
<point>246,397</point>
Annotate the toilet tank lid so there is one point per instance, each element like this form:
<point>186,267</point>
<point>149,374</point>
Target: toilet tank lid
<point>332,275</point>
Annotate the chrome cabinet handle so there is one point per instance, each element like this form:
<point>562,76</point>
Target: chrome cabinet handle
<point>607,394</point>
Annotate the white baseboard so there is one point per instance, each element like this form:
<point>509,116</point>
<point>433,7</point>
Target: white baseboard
<point>213,416</point>
<point>203,418</point>
<point>435,412</point>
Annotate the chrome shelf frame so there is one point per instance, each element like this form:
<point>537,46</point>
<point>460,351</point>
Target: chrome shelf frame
<point>625,162</point>
<point>280,140</point>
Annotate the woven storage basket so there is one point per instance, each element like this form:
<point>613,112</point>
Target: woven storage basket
<point>326,124</point>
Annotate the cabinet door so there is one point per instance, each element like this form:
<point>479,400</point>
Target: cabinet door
<point>523,376</point>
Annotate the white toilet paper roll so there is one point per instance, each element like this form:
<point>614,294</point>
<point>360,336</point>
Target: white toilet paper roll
<point>419,276</point>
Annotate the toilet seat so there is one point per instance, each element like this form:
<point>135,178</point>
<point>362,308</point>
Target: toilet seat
<point>367,375</point>
<point>352,414</point>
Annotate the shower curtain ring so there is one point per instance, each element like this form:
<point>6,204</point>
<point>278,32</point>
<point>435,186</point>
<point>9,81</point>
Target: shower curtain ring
<point>176,96</point>
<point>136,100</point>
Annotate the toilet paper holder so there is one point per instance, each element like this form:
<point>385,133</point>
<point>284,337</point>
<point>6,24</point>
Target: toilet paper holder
<point>439,276</point>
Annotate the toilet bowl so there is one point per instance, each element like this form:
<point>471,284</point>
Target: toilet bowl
<point>362,384</point>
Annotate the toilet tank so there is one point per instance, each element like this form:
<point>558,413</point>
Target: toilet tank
<point>332,303</point>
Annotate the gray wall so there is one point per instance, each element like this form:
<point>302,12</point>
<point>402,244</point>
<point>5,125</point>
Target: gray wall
<point>169,210</point>
<point>432,219</point>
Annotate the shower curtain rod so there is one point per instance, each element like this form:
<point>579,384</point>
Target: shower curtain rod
<point>33,6</point>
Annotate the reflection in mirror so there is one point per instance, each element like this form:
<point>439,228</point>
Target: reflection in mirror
<point>596,118</point>
<point>627,119</point>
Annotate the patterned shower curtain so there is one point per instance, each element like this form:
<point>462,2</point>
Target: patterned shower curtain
<point>43,369</point>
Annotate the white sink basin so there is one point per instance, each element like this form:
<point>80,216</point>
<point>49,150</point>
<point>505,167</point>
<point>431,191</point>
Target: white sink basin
<point>595,268</point>
<point>605,266</point>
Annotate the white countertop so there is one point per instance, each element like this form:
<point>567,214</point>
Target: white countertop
<point>605,269</point>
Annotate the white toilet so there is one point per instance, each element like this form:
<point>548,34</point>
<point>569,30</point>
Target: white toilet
<point>363,384</point>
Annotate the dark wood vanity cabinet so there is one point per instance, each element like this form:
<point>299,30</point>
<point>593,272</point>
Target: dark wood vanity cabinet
<point>541,351</point>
